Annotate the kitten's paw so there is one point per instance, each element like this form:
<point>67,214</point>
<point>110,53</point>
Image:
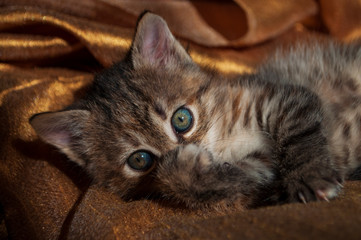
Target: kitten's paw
<point>190,175</point>
<point>314,189</point>
<point>192,156</point>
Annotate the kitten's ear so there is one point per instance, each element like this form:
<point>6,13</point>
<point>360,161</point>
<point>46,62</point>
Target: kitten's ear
<point>154,44</point>
<point>61,129</point>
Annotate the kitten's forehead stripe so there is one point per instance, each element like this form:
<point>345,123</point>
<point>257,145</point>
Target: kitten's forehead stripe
<point>247,116</point>
<point>346,130</point>
<point>160,110</point>
<point>131,139</point>
<point>236,111</point>
<point>259,109</point>
<point>202,89</point>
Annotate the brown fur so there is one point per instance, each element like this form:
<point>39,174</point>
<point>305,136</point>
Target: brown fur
<point>289,132</point>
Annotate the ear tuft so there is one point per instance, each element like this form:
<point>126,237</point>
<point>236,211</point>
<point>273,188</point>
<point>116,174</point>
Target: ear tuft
<point>154,44</point>
<point>60,129</point>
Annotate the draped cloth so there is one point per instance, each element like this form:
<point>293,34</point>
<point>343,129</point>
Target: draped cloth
<point>49,53</point>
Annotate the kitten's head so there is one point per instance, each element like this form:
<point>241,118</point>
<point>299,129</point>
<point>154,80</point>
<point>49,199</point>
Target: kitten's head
<point>141,128</point>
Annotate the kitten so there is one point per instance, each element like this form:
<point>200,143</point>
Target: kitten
<point>159,123</point>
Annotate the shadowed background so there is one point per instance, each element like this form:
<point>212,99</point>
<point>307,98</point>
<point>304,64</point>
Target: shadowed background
<point>49,52</point>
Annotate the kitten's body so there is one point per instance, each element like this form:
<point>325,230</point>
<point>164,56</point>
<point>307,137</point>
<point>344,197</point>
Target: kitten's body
<point>288,132</point>
<point>333,72</point>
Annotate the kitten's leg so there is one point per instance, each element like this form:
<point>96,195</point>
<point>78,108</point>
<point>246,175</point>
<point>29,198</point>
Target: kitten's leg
<point>189,174</point>
<point>305,164</point>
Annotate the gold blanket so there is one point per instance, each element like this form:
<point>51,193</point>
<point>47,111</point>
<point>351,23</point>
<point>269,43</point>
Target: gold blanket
<point>49,52</point>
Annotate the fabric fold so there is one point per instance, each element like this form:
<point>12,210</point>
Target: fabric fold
<point>45,197</point>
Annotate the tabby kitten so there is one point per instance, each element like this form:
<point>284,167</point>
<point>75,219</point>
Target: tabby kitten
<point>158,123</point>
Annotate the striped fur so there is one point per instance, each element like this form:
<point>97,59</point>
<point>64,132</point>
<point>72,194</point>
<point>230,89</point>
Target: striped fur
<point>287,133</point>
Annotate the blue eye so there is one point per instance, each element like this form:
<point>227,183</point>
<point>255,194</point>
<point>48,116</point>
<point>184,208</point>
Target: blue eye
<point>140,161</point>
<point>182,120</point>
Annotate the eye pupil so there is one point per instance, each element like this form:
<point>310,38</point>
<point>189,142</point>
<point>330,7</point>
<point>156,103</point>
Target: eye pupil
<point>140,160</point>
<point>182,120</point>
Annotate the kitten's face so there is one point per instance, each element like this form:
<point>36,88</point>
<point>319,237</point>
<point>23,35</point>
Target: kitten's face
<point>131,113</point>
<point>131,130</point>
<point>151,123</point>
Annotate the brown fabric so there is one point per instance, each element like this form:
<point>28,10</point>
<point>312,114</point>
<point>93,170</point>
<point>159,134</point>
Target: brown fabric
<point>49,52</point>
